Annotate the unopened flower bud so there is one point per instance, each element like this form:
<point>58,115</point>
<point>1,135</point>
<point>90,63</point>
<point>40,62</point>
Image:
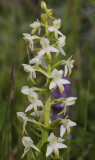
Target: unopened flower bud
<point>43,5</point>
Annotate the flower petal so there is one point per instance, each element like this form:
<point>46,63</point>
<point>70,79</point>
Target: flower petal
<point>66,71</point>
<point>64,81</point>
<point>71,98</point>
<point>39,103</point>
<point>43,64</point>
<point>59,32</point>
<point>50,137</point>
<point>25,90</point>
<point>33,146</point>
<point>53,73</point>
<point>71,123</point>
<point>61,72</point>
<point>41,52</point>
<point>60,145</point>
<point>29,108</point>
<point>60,139</point>
<point>62,130</point>
<point>61,50</point>
<point>51,29</point>
<point>52,85</point>
<point>53,49</point>
<point>49,151</point>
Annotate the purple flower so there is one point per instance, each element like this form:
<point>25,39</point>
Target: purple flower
<point>68,92</point>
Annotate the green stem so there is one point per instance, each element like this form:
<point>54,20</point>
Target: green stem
<point>47,110</point>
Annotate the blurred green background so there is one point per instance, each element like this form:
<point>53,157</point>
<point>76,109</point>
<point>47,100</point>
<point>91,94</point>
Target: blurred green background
<point>78,24</point>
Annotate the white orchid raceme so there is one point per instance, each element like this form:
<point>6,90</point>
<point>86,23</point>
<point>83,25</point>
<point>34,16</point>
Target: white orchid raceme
<point>60,44</point>
<point>47,48</point>
<point>24,119</point>
<point>30,38</point>
<point>54,145</point>
<point>36,25</point>
<point>55,27</point>
<point>65,126</point>
<point>28,144</point>
<point>68,102</point>
<point>57,80</point>
<point>38,60</point>
<point>68,66</point>
<point>31,70</point>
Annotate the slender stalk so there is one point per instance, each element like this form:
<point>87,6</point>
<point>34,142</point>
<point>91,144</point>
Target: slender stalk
<point>47,109</point>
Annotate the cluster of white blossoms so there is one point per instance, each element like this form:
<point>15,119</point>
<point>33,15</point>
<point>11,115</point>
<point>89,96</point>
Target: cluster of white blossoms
<point>38,111</point>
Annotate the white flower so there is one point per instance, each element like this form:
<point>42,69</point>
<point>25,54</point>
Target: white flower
<point>31,70</point>
<point>61,43</point>
<point>68,102</point>
<point>65,125</point>
<point>47,48</point>
<point>30,38</point>
<point>33,98</point>
<point>57,80</point>
<point>28,143</point>
<point>54,144</point>
<point>36,25</point>
<point>68,66</point>
<point>38,60</point>
<point>55,27</point>
<point>24,119</point>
